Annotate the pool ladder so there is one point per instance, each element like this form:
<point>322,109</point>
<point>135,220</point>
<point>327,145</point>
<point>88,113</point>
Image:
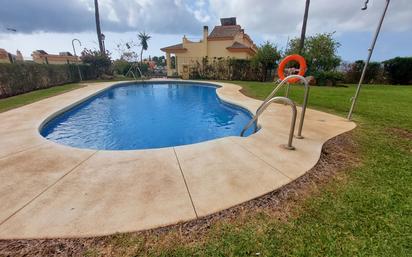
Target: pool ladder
<point>286,100</point>
<point>135,65</point>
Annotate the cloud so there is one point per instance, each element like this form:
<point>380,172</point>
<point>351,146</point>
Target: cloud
<point>267,18</point>
<point>284,17</point>
<point>157,16</point>
<point>40,21</point>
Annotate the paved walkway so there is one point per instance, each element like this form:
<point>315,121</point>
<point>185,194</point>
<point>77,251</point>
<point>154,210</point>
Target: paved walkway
<point>50,190</point>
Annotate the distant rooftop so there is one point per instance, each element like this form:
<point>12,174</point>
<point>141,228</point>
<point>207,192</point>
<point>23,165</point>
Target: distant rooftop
<point>41,51</point>
<point>178,47</point>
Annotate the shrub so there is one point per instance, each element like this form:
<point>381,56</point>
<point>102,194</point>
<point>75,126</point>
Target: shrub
<point>328,78</point>
<point>399,70</point>
<point>240,69</point>
<point>100,62</point>
<point>223,69</point>
<point>374,72</point>
<point>121,67</point>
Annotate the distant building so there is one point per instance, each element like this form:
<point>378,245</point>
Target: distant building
<point>42,57</point>
<point>226,40</point>
<point>6,57</point>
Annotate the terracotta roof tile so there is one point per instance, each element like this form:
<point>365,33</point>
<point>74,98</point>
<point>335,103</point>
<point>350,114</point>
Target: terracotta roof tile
<point>238,45</point>
<point>225,31</point>
<point>178,46</point>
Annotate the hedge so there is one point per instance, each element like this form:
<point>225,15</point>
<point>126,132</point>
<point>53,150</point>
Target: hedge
<point>399,70</point>
<point>223,69</point>
<point>19,78</point>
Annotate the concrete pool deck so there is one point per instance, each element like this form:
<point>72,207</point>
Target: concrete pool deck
<point>48,190</point>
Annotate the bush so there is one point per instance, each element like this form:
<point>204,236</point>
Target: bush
<point>18,78</point>
<point>328,78</point>
<point>240,69</point>
<point>399,70</point>
<point>374,72</point>
<point>121,67</point>
<point>223,69</point>
<point>100,62</point>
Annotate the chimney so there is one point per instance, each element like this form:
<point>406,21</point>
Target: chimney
<point>205,33</point>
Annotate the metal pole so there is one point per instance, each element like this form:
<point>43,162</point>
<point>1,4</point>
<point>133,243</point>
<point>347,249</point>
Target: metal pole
<point>74,51</point>
<point>303,112</point>
<point>287,90</point>
<point>303,32</point>
<point>354,99</point>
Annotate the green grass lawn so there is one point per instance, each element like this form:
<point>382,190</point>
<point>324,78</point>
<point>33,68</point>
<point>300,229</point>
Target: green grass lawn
<point>367,214</point>
<point>31,97</point>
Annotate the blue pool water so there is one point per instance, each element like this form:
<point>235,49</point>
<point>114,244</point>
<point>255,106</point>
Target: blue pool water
<point>142,116</point>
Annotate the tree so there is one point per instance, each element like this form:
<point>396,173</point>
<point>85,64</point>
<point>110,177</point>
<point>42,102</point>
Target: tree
<point>266,58</point>
<point>320,52</point>
<point>98,30</point>
<point>126,51</point>
<point>303,32</point>
<point>159,60</point>
<point>374,72</point>
<point>143,38</point>
<point>398,70</point>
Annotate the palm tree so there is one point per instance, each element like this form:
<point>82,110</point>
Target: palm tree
<point>305,20</point>
<point>143,38</point>
<point>99,32</point>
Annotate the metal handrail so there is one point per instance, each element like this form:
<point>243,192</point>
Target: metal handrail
<point>305,100</point>
<point>263,108</point>
<point>131,71</point>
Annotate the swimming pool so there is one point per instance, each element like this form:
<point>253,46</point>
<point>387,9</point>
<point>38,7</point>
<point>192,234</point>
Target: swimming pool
<point>147,115</point>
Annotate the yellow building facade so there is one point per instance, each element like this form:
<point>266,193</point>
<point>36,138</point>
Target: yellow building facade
<point>227,40</point>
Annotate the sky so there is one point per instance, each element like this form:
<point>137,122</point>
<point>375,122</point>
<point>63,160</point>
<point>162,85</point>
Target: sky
<point>52,24</point>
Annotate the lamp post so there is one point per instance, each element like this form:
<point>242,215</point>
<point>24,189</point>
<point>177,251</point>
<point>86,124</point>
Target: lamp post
<point>354,98</point>
<point>74,51</point>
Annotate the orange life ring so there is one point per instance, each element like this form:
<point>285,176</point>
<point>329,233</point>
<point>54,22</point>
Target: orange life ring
<point>293,57</point>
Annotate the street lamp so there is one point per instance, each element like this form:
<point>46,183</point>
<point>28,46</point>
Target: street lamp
<point>74,51</point>
<point>369,56</point>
